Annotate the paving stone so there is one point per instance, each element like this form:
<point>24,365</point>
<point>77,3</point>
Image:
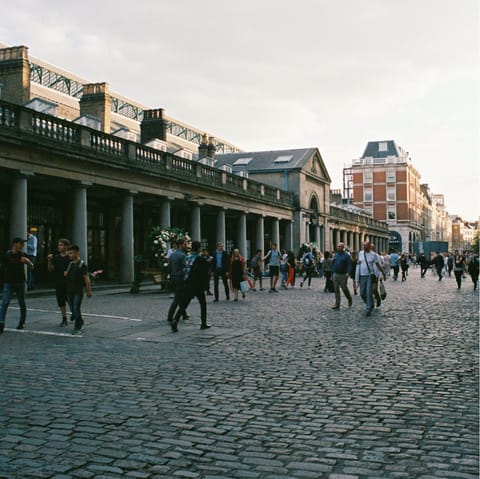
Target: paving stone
<point>280,387</point>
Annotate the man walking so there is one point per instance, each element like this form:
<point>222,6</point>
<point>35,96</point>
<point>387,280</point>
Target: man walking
<point>32,248</point>
<point>177,274</point>
<point>365,275</point>
<point>77,282</point>
<point>439,263</point>
<point>342,269</point>
<point>196,283</point>
<point>13,266</point>
<point>220,266</point>
<point>58,265</point>
<point>273,257</point>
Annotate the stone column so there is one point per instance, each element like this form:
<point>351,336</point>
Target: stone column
<point>126,240</point>
<point>356,241</point>
<point>242,234</point>
<point>276,232</point>
<point>289,236</point>
<point>165,218</point>
<point>79,224</point>
<point>317,236</point>
<point>196,231</point>
<point>337,238</point>
<point>18,210</point>
<point>221,226</point>
<point>260,234</point>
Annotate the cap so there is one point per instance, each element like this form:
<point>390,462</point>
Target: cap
<point>17,239</point>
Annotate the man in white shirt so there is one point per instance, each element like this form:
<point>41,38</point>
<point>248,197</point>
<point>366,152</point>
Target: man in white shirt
<point>365,274</point>
<point>32,248</point>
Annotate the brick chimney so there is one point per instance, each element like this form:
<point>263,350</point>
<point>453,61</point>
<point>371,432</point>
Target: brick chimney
<point>153,126</point>
<point>15,75</point>
<point>211,148</point>
<point>97,102</point>
<point>203,147</point>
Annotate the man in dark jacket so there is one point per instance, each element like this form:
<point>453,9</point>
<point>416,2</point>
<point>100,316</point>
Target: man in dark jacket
<point>13,268</point>
<point>176,262</point>
<point>439,263</point>
<point>196,283</point>
<point>342,269</point>
<point>220,265</point>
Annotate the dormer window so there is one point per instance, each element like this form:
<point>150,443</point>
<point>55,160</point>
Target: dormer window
<point>242,161</point>
<point>283,159</point>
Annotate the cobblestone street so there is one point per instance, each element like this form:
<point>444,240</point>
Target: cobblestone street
<point>281,386</point>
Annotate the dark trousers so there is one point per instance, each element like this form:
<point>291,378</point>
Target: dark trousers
<point>458,277</point>
<point>177,286</point>
<point>308,276</point>
<point>8,290</point>
<point>395,272</point>
<point>187,298</point>
<point>216,276</point>
<point>328,281</point>
<point>74,301</point>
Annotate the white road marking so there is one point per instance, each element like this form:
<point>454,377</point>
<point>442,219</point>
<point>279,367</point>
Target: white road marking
<point>46,333</point>
<point>83,314</point>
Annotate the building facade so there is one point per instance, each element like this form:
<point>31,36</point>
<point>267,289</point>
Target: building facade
<point>303,173</point>
<point>80,161</point>
<point>384,183</point>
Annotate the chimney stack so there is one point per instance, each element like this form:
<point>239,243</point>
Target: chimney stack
<point>203,148</point>
<point>97,102</point>
<point>211,148</point>
<point>153,126</point>
<point>15,75</point>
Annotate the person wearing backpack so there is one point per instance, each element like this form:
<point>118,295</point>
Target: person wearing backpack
<point>308,263</point>
<point>12,265</point>
<point>256,269</point>
<point>77,282</point>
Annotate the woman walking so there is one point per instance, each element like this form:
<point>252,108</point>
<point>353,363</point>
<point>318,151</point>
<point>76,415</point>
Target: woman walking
<point>458,268</point>
<point>237,272</point>
<point>327,272</point>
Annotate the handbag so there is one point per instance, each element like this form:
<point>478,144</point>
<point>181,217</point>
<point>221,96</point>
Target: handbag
<point>244,286</point>
<point>382,290</point>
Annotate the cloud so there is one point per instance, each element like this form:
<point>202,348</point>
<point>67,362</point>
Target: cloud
<point>273,74</point>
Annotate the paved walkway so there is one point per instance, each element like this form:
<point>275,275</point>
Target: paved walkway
<point>281,386</point>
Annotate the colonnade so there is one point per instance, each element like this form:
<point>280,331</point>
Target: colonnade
<point>79,223</point>
<point>354,240</point>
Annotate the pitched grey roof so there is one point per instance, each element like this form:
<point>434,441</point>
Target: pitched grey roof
<point>373,149</point>
<point>261,161</point>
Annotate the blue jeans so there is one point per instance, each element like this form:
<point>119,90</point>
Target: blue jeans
<point>366,292</point>
<point>8,290</point>
<point>74,302</point>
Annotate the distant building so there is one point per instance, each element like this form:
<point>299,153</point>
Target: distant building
<point>463,232</point>
<point>384,183</point>
<point>303,172</point>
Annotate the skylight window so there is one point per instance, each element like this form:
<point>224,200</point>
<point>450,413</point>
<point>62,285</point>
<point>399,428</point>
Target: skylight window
<point>242,161</point>
<point>283,159</point>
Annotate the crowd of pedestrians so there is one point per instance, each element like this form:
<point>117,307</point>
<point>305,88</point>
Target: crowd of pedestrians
<point>191,269</point>
<point>367,270</point>
<point>70,272</point>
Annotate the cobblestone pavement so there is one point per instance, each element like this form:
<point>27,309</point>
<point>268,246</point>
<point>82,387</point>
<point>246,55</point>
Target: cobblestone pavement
<point>281,386</point>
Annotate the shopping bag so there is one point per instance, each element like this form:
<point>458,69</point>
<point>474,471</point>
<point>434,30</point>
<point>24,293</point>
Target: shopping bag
<point>244,286</point>
<point>382,290</point>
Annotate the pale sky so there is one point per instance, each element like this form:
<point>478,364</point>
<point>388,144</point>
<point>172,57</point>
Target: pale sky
<point>277,74</point>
